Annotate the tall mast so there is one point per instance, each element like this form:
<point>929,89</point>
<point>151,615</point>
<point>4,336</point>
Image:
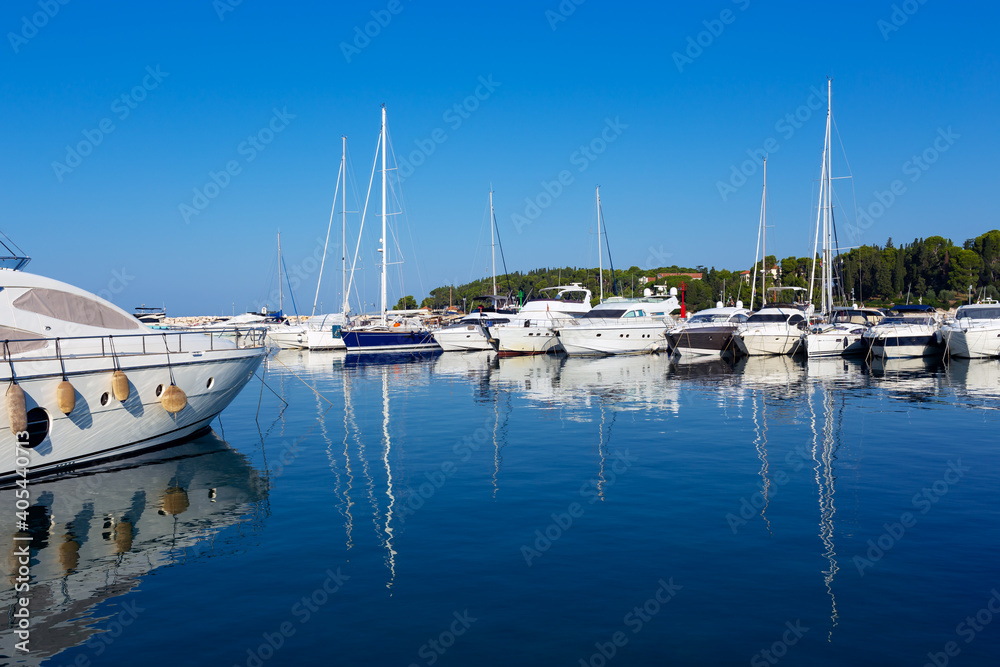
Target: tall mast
<point>600,261</point>
<point>343,229</point>
<point>763,237</point>
<point>329,226</point>
<point>383,249</point>
<point>280,308</point>
<point>824,225</point>
<point>828,210</point>
<point>756,254</point>
<point>493,246</point>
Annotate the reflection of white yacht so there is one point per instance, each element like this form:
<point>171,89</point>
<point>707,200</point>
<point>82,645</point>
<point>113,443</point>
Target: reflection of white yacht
<point>770,371</point>
<point>532,330</point>
<point>908,331</point>
<point>841,336</point>
<point>910,377</point>
<point>620,326</point>
<point>463,365</point>
<point>844,371</point>
<point>572,383</point>
<point>88,381</point>
<point>977,378</point>
<point>94,537</point>
<point>975,331</point>
<point>707,332</point>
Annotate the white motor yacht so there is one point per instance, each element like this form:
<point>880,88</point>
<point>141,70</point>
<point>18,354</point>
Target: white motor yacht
<point>324,332</point>
<point>773,330</point>
<point>468,333</point>
<point>841,336</point>
<point>533,329</point>
<point>708,332</point>
<point>907,331</point>
<point>975,331</point>
<point>620,326</point>
<point>87,381</point>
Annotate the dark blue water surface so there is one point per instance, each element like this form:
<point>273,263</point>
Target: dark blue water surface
<point>460,509</point>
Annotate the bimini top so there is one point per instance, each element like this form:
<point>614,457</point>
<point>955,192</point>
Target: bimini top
<point>33,306</point>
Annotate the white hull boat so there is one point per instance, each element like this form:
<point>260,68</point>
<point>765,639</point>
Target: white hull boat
<point>908,331</point>
<point>292,337</point>
<point>533,329</point>
<point>619,326</point>
<point>708,332</point>
<point>975,332</point>
<point>773,330</point>
<point>62,349</point>
<point>843,335</point>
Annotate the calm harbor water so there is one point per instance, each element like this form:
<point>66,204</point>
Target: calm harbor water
<point>459,509</point>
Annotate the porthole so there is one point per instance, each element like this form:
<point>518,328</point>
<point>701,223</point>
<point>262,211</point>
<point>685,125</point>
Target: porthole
<point>105,398</point>
<point>210,383</point>
<point>38,427</point>
<point>598,335</point>
<point>159,390</point>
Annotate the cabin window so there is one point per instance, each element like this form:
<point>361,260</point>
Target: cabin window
<point>73,308</point>
<point>20,341</point>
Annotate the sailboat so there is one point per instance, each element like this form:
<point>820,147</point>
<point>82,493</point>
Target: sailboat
<point>775,328</point>
<point>842,333</point>
<point>469,332</point>
<point>618,325</point>
<point>324,332</point>
<point>401,333</point>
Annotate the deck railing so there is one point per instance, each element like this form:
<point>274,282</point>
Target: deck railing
<point>124,345</point>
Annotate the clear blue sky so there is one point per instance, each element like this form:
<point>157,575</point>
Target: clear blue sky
<point>673,130</point>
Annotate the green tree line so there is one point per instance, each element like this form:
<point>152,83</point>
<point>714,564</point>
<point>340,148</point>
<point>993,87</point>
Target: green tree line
<point>933,271</point>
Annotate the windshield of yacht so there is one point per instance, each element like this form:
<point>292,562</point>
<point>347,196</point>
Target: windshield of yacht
<point>761,318</point>
<point>850,317</point>
<point>707,318</point>
<point>907,320</point>
<point>73,308</point>
<point>604,313</point>
<point>978,313</point>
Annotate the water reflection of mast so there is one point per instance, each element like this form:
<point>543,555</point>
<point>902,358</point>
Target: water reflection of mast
<point>349,420</point>
<point>497,446</point>
<point>345,508</point>
<point>760,442</point>
<point>391,557</point>
<point>602,450</point>
<point>825,480</point>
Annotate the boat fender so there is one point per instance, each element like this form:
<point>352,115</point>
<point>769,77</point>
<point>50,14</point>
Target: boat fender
<point>123,536</point>
<point>173,399</point>
<point>119,386</point>
<point>175,501</point>
<point>69,553</point>
<point>65,397</point>
<point>17,413</point>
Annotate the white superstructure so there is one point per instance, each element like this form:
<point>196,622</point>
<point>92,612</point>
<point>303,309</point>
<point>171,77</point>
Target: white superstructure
<point>533,329</point>
<point>975,331</point>
<point>62,347</point>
